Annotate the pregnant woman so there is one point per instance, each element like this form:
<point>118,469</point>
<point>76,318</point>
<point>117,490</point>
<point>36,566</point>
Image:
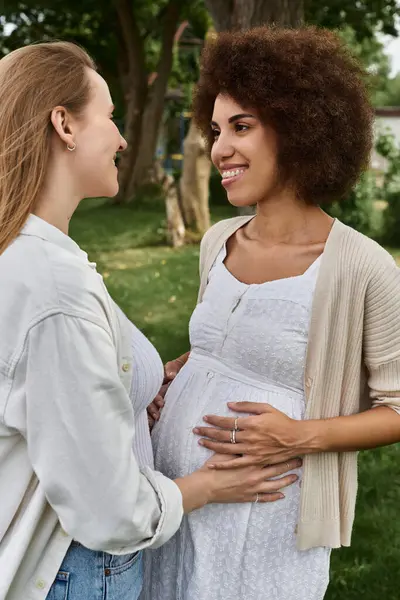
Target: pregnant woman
<point>298,318</point>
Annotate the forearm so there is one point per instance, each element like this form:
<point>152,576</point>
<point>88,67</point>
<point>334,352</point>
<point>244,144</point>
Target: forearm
<point>370,429</point>
<point>195,490</point>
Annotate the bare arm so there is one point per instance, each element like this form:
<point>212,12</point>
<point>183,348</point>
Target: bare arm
<point>376,427</point>
<point>270,436</point>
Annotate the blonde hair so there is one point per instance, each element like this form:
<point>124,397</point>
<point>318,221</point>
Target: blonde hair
<point>33,80</point>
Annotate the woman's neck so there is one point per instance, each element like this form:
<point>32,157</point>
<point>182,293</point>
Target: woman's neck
<point>57,203</point>
<point>287,220</point>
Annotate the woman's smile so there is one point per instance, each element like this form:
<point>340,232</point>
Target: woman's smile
<point>231,176</point>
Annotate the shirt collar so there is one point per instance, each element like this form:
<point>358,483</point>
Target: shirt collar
<point>37,227</point>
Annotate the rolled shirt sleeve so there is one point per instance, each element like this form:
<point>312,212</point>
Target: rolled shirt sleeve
<point>79,430</point>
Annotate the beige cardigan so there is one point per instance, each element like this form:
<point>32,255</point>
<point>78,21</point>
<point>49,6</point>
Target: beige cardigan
<point>353,363</point>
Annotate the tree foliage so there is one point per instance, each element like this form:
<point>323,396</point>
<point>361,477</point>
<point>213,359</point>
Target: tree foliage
<point>365,17</point>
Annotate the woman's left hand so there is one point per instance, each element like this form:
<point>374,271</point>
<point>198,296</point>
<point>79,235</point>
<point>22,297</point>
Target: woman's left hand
<point>267,437</point>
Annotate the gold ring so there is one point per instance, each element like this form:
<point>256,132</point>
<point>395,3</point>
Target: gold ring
<point>233,436</point>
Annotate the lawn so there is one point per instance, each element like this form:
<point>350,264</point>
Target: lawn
<point>156,286</point>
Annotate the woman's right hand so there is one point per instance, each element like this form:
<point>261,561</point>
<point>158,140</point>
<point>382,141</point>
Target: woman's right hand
<point>246,484</point>
<point>171,370</point>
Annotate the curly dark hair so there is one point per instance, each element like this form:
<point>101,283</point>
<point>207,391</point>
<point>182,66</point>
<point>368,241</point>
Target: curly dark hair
<point>309,88</point>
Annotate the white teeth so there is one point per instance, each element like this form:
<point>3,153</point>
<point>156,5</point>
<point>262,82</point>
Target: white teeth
<point>227,174</point>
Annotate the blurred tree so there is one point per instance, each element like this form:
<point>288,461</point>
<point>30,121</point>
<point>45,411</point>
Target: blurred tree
<point>170,63</point>
<point>241,14</point>
<point>390,94</point>
<point>370,51</point>
<point>365,17</point>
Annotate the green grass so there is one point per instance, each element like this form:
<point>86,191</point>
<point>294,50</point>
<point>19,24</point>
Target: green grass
<point>157,286</point>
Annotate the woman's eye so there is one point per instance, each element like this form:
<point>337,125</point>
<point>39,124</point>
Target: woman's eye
<point>215,133</point>
<point>241,127</point>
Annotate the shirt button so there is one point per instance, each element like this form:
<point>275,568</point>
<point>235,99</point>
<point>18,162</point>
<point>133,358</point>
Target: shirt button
<point>125,367</point>
<point>40,584</point>
<point>210,374</point>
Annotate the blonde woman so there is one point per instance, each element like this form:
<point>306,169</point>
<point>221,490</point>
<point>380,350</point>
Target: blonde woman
<point>295,341</point>
<point>77,504</point>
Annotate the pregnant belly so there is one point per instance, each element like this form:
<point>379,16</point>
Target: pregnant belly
<point>196,392</point>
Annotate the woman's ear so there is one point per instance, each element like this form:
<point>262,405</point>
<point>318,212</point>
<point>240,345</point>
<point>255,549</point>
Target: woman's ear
<point>62,123</point>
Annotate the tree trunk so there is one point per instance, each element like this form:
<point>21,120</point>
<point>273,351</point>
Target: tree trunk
<point>153,113</point>
<point>194,182</point>
<point>135,100</point>
<point>134,84</point>
<point>175,224</point>
<point>242,14</point>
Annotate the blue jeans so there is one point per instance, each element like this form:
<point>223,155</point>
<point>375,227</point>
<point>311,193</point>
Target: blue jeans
<point>89,575</point>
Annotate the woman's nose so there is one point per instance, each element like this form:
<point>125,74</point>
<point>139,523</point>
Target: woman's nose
<point>123,144</point>
<point>222,149</point>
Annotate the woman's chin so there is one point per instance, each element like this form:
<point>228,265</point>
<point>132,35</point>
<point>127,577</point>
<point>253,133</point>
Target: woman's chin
<point>239,201</point>
<point>112,190</point>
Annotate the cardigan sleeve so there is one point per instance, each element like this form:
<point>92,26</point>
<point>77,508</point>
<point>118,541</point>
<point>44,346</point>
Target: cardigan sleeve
<point>382,333</point>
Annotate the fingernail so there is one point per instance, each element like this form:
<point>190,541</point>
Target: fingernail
<point>281,496</point>
<point>211,466</point>
<point>201,442</point>
<point>196,430</point>
<point>205,419</point>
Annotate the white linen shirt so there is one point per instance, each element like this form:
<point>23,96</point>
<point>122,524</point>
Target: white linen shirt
<point>67,470</point>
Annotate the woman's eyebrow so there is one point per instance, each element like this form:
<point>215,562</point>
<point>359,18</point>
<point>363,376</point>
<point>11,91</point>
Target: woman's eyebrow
<point>236,118</point>
<point>240,116</point>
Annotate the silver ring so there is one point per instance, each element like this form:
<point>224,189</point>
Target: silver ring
<point>257,498</point>
<point>236,424</point>
<point>233,436</point>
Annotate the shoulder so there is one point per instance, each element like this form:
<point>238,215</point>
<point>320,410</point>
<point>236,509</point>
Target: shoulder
<point>359,254</point>
<point>360,243</point>
<point>40,278</point>
<point>367,265</point>
<point>221,231</point>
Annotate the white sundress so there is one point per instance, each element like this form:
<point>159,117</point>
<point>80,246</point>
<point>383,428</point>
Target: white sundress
<point>248,342</point>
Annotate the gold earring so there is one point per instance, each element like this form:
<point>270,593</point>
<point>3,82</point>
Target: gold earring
<point>71,148</point>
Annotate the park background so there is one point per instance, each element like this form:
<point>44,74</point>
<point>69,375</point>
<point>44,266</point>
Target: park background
<point>145,241</point>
